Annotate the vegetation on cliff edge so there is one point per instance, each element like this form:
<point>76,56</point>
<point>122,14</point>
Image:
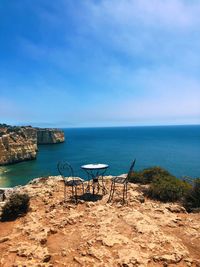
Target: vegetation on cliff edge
<point>16,206</point>
<point>165,187</point>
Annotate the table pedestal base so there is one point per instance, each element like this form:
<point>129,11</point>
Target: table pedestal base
<point>95,184</point>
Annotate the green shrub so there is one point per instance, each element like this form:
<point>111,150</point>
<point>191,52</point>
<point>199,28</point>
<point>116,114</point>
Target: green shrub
<point>136,177</point>
<point>148,175</point>
<point>168,188</point>
<point>17,205</point>
<point>192,199</point>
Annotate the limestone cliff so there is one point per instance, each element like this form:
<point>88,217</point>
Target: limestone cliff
<point>17,144</point>
<point>49,136</point>
<point>21,143</point>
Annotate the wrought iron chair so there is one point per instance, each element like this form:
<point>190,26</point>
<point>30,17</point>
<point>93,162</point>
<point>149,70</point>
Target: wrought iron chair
<point>121,181</point>
<point>67,173</point>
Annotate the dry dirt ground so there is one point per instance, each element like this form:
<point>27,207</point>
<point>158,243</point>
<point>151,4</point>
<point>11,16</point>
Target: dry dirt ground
<point>96,233</point>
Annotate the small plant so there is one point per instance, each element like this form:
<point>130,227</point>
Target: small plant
<point>168,188</point>
<point>192,199</point>
<point>16,206</point>
<point>148,175</point>
<point>136,177</point>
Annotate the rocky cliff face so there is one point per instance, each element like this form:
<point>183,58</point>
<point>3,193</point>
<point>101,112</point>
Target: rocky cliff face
<point>50,136</point>
<point>17,144</point>
<point>20,143</point>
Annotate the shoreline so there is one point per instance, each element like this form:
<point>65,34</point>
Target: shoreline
<point>175,149</point>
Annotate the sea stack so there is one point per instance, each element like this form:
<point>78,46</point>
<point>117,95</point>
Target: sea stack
<point>49,136</point>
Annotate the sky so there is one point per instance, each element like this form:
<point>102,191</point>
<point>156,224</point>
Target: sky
<point>93,63</point>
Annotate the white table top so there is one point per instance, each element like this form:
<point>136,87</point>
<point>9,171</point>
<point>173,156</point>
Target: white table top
<point>94,166</point>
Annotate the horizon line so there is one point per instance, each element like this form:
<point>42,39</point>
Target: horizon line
<point>112,126</point>
<point>127,126</point>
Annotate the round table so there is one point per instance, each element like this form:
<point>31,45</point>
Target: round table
<point>95,173</point>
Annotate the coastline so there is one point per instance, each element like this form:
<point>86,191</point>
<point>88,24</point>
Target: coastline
<point>174,148</point>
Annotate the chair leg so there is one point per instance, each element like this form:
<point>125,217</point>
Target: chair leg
<point>111,188</point>
<point>65,192</point>
<point>103,187</point>
<point>76,197</point>
<point>87,190</point>
<point>124,189</point>
<point>83,188</point>
<point>93,189</point>
<point>113,191</point>
<point>98,186</point>
<point>72,191</point>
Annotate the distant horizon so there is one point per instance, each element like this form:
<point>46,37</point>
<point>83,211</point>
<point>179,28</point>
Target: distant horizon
<point>127,126</point>
<point>112,126</point>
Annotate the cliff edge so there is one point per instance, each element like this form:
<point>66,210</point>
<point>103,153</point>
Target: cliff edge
<point>94,233</point>
<point>17,144</point>
<point>49,136</point>
<point>21,143</point>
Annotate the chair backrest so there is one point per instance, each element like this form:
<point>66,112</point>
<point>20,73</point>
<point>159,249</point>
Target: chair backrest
<point>130,170</point>
<point>65,169</point>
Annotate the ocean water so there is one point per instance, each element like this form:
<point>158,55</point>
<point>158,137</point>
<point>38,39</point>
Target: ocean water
<point>176,148</point>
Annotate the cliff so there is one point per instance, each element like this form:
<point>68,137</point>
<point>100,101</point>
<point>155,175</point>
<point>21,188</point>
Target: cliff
<point>21,143</point>
<point>49,136</point>
<point>17,144</point>
<point>94,233</point>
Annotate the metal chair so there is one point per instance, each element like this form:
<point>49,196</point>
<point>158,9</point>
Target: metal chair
<point>67,173</point>
<point>121,181</point>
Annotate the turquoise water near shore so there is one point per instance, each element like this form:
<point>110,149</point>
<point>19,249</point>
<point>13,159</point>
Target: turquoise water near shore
<point>176,148</point>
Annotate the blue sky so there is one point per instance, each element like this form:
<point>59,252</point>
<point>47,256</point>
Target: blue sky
<point>99,62</point>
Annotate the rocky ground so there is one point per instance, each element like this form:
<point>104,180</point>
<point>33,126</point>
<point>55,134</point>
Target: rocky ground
<point>94,233</point>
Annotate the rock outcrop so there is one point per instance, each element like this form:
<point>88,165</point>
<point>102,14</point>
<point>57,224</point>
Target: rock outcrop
<point>97,233</point>
<point>49,136</point>
<point>21,143</point>
<point>17,144</point>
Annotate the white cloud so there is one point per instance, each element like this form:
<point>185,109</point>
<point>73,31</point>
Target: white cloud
<point>141,56</point>
<point>152,32</point>
<point>157,13</point>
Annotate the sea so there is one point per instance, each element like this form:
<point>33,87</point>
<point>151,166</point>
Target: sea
<point>175,148</point>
